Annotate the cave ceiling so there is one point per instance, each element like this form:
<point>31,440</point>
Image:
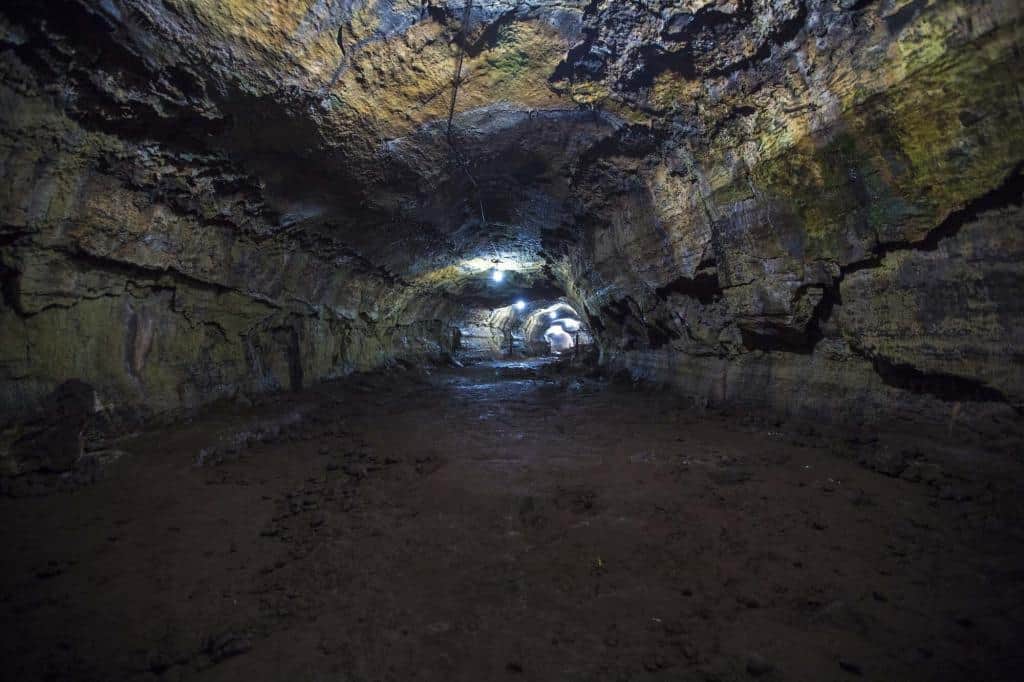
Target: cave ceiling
<point>414,134</point>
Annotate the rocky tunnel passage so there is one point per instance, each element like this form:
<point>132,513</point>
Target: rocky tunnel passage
<point>795,211</point>
<point>803,206</point>
<point>524,328</point>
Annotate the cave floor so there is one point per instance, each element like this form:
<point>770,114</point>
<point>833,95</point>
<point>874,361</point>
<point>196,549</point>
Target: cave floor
<point>495,523</point>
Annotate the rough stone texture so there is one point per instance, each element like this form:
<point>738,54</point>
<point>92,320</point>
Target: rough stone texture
<point>485,333</point>
<point>829,232</point>
<point>154,277</point>
<point>799,205</point>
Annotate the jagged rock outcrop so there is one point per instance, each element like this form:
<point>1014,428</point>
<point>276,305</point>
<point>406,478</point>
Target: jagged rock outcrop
<point>802,241</point>
<point>808,206</point>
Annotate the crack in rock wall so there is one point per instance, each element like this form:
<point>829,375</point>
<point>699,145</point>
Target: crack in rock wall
<point>163,279</point>
<point>854,257</point>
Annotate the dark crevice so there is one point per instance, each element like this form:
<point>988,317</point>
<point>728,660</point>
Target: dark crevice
<point>735,114</point>
<point>685,25</point>
<point>440,14</point>
<point>779,338</point>
<point>623,313</point>
<point>794,340</point>
<point>858,5</point>
<point>657,61</point>
<point>10,234</point>
<point>898,20</point>
<point>185,80</point>
<point>9,287</point>
<point>660,334</point>
<point>131,271</point>
<point>946,387</point>
<point>822,313</point>
<point>1009,193</point>
<point>787,31</point>
<point>703,286</point>
<point>576,62</point>
<point>294,359</point>
<point>9,275</point>
<point>594,321</point>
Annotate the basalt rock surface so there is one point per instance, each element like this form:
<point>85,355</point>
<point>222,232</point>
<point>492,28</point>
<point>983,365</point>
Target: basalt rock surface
<point>806,206</point>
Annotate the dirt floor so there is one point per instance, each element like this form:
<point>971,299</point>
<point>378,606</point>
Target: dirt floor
<point>493,523</point>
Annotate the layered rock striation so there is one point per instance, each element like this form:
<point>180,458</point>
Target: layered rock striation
<point>811,207</point>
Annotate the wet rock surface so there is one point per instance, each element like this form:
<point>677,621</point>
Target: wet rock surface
<point>519,520</point>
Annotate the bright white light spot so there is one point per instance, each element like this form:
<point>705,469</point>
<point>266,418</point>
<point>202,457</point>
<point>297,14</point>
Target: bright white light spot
<point>558,338</point>
<point>520,305</point>
<point>498,275</point>
<point>554,315</point>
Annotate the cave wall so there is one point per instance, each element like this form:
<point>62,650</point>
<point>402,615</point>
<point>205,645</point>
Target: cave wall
<point>811,207</point>
<point>854,259</point>
<point>484,332</point>
<point>161,278</point>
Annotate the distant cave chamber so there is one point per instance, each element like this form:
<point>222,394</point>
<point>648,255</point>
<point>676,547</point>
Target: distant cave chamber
<point>537,329</point>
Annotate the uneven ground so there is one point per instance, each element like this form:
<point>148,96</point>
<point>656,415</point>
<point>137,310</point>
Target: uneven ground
<point>499,523</point>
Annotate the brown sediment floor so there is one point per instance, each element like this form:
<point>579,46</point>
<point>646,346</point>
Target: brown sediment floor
<point>497,523</point>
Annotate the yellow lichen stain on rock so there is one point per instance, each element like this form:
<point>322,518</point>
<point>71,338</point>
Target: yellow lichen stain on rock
<point>268,25</point>
<point>671,90</point>
<point>401,84</point>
